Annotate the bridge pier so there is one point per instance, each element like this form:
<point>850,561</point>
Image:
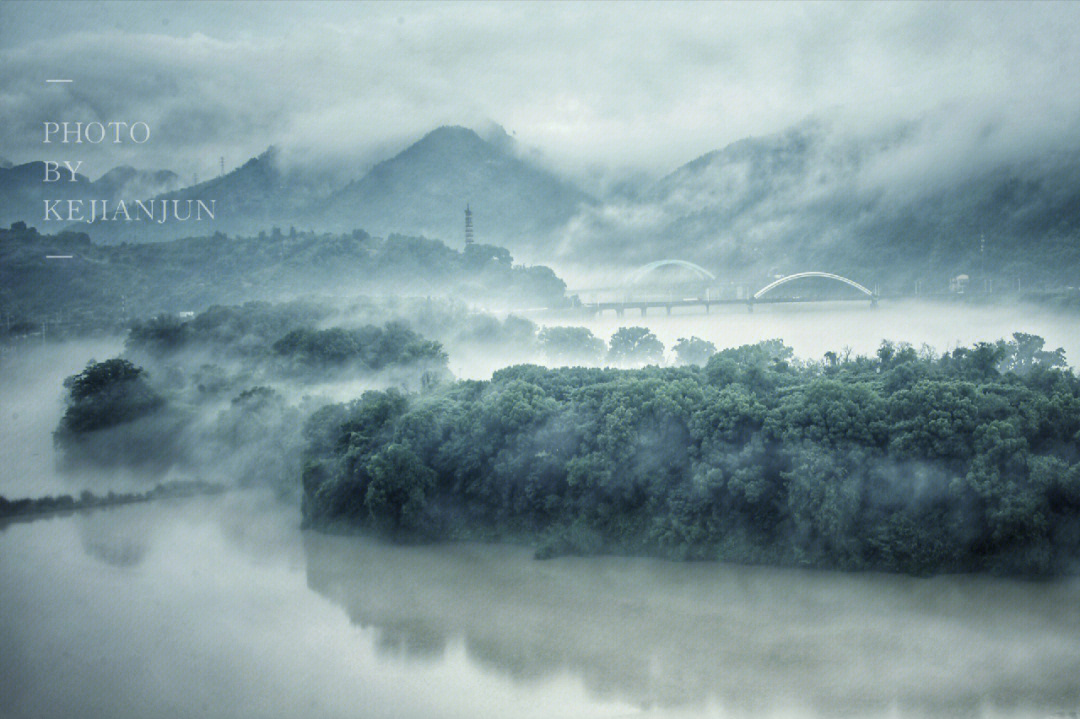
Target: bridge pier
<point>668,307</point>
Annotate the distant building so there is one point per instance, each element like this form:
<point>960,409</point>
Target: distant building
<point>468,226</point>
<point>958,284</point>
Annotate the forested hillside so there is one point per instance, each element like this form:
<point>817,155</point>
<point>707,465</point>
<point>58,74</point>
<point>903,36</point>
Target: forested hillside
<point>105,286</point>
<point>903,204</point>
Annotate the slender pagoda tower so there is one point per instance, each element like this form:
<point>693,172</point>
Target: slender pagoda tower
<point>468,226</point>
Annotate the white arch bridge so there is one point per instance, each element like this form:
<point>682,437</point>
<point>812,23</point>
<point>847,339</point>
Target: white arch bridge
<point>799,275</point>
<point>644,271</point>
<point>708,294</point>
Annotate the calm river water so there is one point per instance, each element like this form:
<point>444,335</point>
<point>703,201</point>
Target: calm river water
<point>221,607</point>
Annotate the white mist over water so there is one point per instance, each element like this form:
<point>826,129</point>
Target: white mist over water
<point>31,376</point>
<point>31,404</point>
<point>814,328</point>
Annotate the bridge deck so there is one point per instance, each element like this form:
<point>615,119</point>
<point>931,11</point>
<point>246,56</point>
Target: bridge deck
<point>668,304</point>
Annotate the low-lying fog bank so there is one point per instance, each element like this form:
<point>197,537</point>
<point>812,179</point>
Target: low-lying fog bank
<point>813,328</point>
<point>31,404</point>
<point>218,368</point>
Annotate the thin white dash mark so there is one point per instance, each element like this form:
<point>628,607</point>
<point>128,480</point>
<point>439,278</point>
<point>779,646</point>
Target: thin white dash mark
<point>58,81</point>
<point>59,257</point>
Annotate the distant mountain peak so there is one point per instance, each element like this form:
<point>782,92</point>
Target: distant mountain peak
<point>424,190</point>
<point>491,136</point>
<point>451,132</point>
<point>448,140</point>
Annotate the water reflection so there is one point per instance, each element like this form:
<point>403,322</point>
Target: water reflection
<point>747,639</point>
<point>220,606</point>
<point>117,544</point>
<point>215,619</point>
<point>412,638</point>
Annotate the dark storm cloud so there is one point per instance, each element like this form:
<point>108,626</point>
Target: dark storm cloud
<point>594,86</point>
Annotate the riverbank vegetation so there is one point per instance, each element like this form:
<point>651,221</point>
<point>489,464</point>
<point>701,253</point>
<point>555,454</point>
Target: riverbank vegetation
<point>906,461</point>
<point>225,393</point>
<point>13,509</point>
<point>286,340</point>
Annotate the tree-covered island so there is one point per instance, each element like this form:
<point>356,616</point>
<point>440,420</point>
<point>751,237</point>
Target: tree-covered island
<point>906,461</point>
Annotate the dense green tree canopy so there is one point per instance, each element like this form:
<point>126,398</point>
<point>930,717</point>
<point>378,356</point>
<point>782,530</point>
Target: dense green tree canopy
<point>107,394</point>
<point>902,462</point>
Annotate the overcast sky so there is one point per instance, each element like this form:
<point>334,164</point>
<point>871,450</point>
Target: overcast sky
<point>594,87</point>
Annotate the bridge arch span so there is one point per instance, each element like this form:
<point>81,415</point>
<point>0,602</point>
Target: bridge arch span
<point>799,275</point>
<point>643,271</point>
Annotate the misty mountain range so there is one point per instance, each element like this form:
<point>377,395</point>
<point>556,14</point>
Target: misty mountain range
<point>421,191</point>
<point>812,197</point>
<point>22,190</point>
